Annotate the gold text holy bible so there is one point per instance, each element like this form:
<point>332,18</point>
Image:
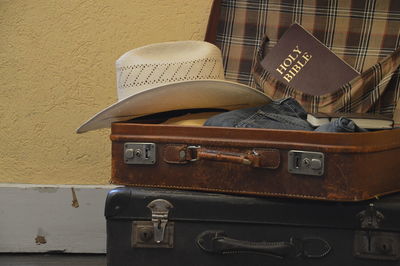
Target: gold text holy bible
<point>303,62</point>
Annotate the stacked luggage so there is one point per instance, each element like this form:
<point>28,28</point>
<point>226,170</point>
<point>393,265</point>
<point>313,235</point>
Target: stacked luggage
<point>249,196</point>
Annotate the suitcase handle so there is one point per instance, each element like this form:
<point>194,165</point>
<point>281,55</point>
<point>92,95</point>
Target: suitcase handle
<point>182,154</point>
<point>246,159</point>
<point>218,243</point>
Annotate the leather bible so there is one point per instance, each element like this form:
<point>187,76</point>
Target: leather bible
<point>303,62</point>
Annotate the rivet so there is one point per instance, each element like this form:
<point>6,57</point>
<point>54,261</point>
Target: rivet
<point>138,153</point>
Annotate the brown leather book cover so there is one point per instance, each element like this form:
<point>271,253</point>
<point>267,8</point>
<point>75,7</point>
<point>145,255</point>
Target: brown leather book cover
<point>303,62</point>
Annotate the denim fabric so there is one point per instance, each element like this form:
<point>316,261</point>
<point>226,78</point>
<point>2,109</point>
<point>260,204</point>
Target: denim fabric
<point>262,119</point>
<point>230,119</point>
<point>280,114</point>
<point>342,124</point>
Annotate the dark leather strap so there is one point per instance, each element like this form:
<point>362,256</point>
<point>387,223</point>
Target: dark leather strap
<point>217,242</point>
<point>258,157</point>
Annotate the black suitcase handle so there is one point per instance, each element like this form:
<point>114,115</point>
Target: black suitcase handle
<point>218,243</point>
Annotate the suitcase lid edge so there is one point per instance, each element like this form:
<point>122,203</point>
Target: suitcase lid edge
<point>129,203</point>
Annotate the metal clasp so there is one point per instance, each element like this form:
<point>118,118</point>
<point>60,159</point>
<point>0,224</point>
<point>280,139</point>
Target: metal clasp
<point>371,242</point>
<point>193,150</point>
<point>139,153</point>
<point>306,163</point>
<point>159,216</point>
<point>371,218</point>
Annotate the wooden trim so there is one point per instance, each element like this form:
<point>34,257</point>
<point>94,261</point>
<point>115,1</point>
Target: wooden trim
<point>53,218</point>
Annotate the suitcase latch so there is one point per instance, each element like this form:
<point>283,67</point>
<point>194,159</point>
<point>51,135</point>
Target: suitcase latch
<point>306,162</point>
<point>157,233</point>
<point>139,153</point>
<point>372,243</point>
<point>159,216</point>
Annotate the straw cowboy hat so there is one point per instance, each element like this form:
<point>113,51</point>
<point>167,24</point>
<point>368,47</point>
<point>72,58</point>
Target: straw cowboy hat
<point>172,76</point>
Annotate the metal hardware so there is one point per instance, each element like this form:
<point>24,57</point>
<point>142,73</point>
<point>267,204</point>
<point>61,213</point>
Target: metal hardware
<point>139,153</point>
<point>193,149</point>
<point>371,243</point>
<point>146,234</point>
<point>159,216</point>
<point>306,162</point>
<point>157,233</point>
<point>143,235</point>
<point>371,218</point>
<point>377,245</point>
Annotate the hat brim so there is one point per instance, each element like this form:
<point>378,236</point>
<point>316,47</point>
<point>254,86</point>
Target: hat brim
<point>177,96</point>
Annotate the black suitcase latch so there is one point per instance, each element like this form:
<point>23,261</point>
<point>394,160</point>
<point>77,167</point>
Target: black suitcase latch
<point>372,243</point>
<point>157,233</point>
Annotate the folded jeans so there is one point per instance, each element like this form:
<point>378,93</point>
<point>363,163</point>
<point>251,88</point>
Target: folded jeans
<point>285,114</point>
<point>342,124</point>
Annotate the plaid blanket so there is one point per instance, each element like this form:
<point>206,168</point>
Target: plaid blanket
<point>365,34</point>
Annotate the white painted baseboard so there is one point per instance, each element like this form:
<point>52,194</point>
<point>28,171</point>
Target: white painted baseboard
<point>52,218</point>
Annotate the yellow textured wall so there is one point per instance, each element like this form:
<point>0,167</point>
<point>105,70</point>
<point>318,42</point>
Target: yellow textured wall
<point>57,69</point>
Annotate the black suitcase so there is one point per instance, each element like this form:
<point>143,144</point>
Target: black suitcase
<point>167,227</point>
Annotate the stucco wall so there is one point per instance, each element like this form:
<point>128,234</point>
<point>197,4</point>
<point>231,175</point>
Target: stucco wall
<point>57,69</point>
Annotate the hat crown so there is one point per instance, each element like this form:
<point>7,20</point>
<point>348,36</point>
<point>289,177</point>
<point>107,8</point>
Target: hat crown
<point>163,63</point>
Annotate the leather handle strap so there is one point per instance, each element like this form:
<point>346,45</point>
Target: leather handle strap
<point>218,243</point>
<point>223,157</point>
<point>183,154</point>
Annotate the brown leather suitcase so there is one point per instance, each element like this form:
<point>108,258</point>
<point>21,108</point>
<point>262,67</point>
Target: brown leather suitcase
<point>298,164</point>
<point>264,162</point>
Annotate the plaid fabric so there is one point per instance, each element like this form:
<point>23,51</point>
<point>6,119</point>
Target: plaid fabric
<point>365,34</point>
